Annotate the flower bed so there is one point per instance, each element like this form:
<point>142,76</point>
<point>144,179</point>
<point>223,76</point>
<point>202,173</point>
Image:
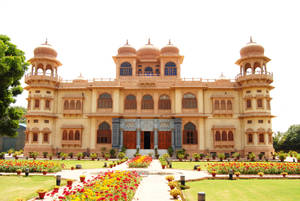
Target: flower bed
<point>140,162</point>
<point>33,166</point>
<point>254,167</point>
<point>119,185</point>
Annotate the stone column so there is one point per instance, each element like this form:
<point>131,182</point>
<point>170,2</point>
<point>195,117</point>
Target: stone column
<point>155,138</point>
<point>178,141</point>
<point>115,133</point>
<point>121,138</point>
<point>255,138</point>
<point>138,134</point>
<point>173,138</point>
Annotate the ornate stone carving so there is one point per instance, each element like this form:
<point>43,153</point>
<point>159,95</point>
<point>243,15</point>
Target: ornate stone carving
<point>147,124</point>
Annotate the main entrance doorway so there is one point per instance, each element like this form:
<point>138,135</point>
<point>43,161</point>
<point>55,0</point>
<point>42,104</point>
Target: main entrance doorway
<point>147,138</point>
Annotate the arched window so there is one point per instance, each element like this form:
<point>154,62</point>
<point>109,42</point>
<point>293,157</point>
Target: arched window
<point>189,101</point>
<point>250,138</point>
<point>71,135</point>
<point>223,105</point>
<point>125,69</point>
<point>105,101</point>
<point>78,105</point>
<point>230,136</point>
<point>164,102</point>
<point>147,102</point>
<point>48,70</point>
<point>35,137</point>
<point>65,135</point>
<point>36,103</point>
<point>47,104</point>
<point>40,71</point>
<point>104,134</point>
<point>217,105</point>
<point>229,105</point>
<point>170,69</point>
<point>248,69</point>
<point>157,72</point>
<point>261,138</point>
<point>248,103</point>
<point>66,105</point>
<point>190,134</point>
<point>130,102</point>
<point>77,135</point>
<point>224,136</point>
<point>218,136</point>
<point>148,71</point>
<point>257,68</point>
<point>72,105</point>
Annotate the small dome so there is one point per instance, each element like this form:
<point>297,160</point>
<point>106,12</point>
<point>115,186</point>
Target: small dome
<point>45,50</point>
<point>148,51</point>
<point>169,49</point>
<point>127,50</point>
<point>252,49</point>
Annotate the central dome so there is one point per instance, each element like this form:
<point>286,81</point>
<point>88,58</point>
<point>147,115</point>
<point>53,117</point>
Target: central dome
<point>45,50</point>
<point>169,49</point>
<point>148,51</point>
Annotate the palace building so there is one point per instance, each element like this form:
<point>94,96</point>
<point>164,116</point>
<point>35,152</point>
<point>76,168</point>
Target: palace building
<point>148,105</point>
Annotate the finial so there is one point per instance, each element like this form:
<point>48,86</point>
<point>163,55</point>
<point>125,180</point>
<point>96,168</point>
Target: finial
<point>149,43</point>
<point>170,42</point>
<point>126,42</point>
<point>251,41</point>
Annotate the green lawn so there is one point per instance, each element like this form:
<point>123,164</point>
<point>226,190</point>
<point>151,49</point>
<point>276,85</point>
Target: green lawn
<point>12,187</point>
<point>86,164</point>
<point>245,190</point>
<point>190,165</point>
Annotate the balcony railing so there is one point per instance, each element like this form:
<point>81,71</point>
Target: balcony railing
<point>224,143</point>
<point>241,77</point>
<point>41,76</point>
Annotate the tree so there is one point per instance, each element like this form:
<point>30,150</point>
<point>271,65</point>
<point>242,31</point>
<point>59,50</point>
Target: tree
<point>290,140</point>
<point>24,111</point>
<point>12,69</point>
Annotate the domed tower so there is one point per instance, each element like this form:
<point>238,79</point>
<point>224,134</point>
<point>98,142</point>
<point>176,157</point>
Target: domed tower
<point>170,60</point>
<point>125,61</point>
<point>255,83</point>
<point>42,82</point>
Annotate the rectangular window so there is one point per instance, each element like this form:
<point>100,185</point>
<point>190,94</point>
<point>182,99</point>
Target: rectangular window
<point>249,122</point>
<point>46,121</point>
<point>258,91</point>
<point>260,121</point>
<point>250,138</point>
<point>48,92</point>
<point>269,121</point>
<point>37,91</point>
<point>248,103</point>
<point>36,103</point>
<point>35,137</point>
<point>45,137</point>
<point>259,103</point>
<point>248,92</point>
<point>35,121</point>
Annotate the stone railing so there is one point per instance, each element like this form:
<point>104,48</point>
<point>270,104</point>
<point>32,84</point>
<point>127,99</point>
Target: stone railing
<point>41,76</point>
<point>250,76</point>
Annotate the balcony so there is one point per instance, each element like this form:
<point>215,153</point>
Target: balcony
<point>224,143</point>
<point>249,76</point>
<point>41,76</point>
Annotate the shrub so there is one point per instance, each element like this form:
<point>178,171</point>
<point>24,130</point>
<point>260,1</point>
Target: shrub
<point>175,193</point>
<point>170,151</point>
<point>2,154</point>
<point>260,155</point>
<point>180,156</point>
<point>166,156</point>
<point>45,154</point>
<point>71,154</point>
<point>79,155</point>
<point>196,156</point>
<point>41,190</point>
<point>107,155</point>
<point>260,174</point>
<point>282,157</point>
<point>93,155</point>
<point>221,156</point>
<point>252,156</point>
<point>172,184</point>
<point>236,155</point>
<point>121,155</point>
<point>112,153</point>
<point>169,178</point>
<point>123,149</point>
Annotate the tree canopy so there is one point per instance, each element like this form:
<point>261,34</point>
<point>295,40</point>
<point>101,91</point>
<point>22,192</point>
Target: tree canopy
<point>12,69</point>
<point>290,140</point>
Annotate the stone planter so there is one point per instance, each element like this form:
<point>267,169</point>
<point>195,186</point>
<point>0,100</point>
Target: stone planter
<point>44,172</point>
<point>82,179</point>
<point>214,174</point>
<point>42,195</point>
<point>69,183</point>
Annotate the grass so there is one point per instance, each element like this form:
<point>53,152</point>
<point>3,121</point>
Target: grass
<point>245,190</point>
<point>12,187</point>
<point>190,165</point>
<point>86,164</point>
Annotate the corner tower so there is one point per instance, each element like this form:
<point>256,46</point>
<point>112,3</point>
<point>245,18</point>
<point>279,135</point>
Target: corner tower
<point>255,84</point>
<point>42,84</point>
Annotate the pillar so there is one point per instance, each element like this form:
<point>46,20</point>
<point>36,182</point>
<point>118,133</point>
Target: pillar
<point>116,99</point>
<point>155,138</point>
<point>178,135</point>
<point>173,138</point>
<point>138,134</point>
<point>115,132</point>
<point>178,100</point>
<point>121,138</point>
